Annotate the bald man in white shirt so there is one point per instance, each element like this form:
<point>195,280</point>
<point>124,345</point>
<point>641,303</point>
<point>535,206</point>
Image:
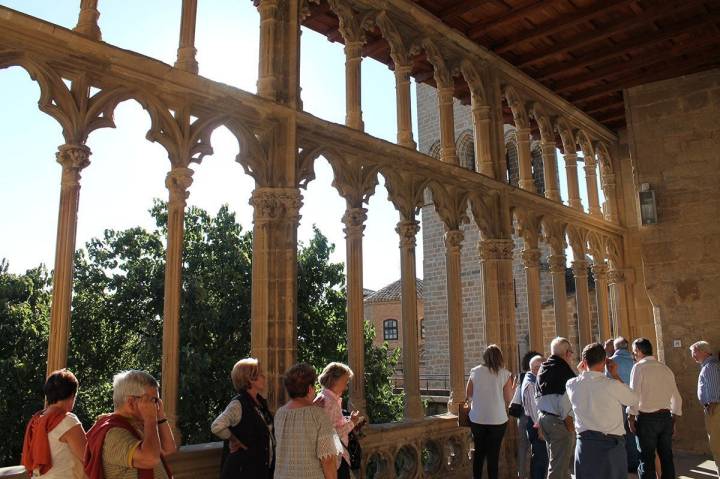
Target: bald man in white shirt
<point>597,402</point>
<point>652,420</point>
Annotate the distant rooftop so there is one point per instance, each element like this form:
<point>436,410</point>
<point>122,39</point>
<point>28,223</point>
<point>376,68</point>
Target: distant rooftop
<point>391,293</point>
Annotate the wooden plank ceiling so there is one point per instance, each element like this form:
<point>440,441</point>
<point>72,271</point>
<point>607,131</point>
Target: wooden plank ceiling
<point>586,51</point>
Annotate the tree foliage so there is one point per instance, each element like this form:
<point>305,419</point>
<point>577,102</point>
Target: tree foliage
<point>117,322</point>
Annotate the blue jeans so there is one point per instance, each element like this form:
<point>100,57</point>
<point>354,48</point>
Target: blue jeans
<point>631,447</point>
<point>654,433</point>
<point>599,456</point>
<point>539,455</point>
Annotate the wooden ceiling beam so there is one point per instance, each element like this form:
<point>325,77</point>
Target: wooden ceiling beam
<point>670,71</point>
<point>616,114</point>
<point>563,23</point>
<point>375,47</point>
<point>461,7</point>
<point>592,108</point>
<point>640,61</point>
<point>635,43</point>
<point>476,31</point>
<point>588,38</point>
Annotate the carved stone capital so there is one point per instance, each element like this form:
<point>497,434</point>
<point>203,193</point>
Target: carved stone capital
<point>354,220</point>
<point>608,181</point>
<point>557,263</point>
<point>616,276</point>
<point>279,204</point>
<point>600,270</point>
<point>580,268</point>
<point>177,181</point>
<point>496,249</point>
<point>453,239</point>
<point>531,258</point>
<point>407,230</point>
<point>73,159</point>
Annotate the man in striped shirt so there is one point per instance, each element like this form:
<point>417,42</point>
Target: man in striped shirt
<point>709,393</point>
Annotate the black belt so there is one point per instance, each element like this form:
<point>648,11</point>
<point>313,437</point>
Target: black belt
<point>614,437</point>
<point>549,413</point>
<point>659,411</point>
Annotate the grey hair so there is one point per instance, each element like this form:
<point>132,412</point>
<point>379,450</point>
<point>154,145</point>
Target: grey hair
<point>332,373</point>
<point>131,383</point>
<point>703,346</point>
<point>536,359</point>
<point>621,343</point>
<point>559,346</point>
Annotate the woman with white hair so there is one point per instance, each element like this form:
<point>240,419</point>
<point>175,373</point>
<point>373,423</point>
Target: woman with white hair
<point>334,381</point>
<point>246,426</point>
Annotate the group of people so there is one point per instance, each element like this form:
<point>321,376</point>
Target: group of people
<point>308,436</point>
<point>611,414</point>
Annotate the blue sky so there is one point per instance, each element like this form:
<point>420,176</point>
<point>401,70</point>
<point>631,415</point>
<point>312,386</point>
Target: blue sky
<point>127,171</point>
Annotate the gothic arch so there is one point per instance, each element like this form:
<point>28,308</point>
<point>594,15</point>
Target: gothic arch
<point>466,150</point>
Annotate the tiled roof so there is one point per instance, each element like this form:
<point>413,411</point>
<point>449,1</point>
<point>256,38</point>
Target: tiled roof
<point>367,292</point>
<point>391,293</point>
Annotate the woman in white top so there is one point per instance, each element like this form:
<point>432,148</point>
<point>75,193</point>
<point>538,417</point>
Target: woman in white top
<point>307,444</point>
<point>57,428</point>
<point>489,390</point>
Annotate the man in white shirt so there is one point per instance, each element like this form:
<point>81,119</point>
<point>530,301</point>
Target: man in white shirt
<point>597,404</point>
<point>653,419</point>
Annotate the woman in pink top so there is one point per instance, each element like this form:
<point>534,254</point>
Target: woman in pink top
<point>334,380</point>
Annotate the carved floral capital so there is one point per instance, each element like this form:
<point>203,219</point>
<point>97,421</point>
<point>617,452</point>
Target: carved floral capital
<point>354,220</point>
<point>531,257</point>
<point>496,249</point>
<point>73,159</point>
<point>616,276</point>
<point>557,263</point>
<point>276,204</point>
<point>453,239</point>
<point>580,268</point>
<point>600,270</point>
<point>407,230</point>
<point>177,181</point>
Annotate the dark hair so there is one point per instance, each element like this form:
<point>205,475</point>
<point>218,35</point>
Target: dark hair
<point>493,358</point>
<point>525,363</point>
<point>60,385</point>
<point>593,354</point>
<point>644,346</point>
<point>298,378</point>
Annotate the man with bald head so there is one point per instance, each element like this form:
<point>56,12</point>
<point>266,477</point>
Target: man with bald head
<point>709,393</point>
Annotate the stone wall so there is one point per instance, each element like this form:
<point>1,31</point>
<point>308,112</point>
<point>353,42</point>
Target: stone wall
<point>674,139</point>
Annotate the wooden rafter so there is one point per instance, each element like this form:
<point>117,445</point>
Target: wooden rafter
<point>654,74</point>
<point>636,63</point>
<point>461,7</point>
<point>521,11</point>
<point>636,43</point>
<point>601,34</point>
<point>562,23</point>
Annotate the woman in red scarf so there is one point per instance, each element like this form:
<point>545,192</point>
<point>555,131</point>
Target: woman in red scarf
<point>54,438</point>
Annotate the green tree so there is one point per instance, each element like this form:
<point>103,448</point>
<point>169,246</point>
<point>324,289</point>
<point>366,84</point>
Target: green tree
<point>117,322</point>
<point>24,319</point>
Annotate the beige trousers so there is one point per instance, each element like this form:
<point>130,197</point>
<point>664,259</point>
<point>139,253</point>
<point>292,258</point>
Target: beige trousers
<point>712,426</point>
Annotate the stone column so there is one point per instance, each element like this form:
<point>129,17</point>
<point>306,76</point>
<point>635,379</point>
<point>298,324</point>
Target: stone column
<point>550,173</point>
<point>608,186</point>
<point>453,247</point>
<point>508,342</point>
<point>618,303</point>
<point>73,159</point>
<point>600,272</point>
<point>572,180</point>
<point>407,229</point>
<point>274,289</point>
<point>87,24</point>
<point>557,271</point>
<point>591,179</point>
<point>448,153</point>
<point>481,127</point>
<point>531,261</point>
<point>353,108</point>
<point>354,220</point>
<point>489,268</point>
<point>582,299</point>
<point>177,182</point>
<point>526,182</point>
<point>186,51</point>
<point>279,58</point>
<point>404,112</point>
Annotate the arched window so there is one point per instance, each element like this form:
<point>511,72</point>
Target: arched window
<point>390,330</point>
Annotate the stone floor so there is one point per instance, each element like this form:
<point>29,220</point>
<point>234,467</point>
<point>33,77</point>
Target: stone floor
<point>694,467</point>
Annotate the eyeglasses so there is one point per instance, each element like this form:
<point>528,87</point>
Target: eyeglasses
<point>154,399</point>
